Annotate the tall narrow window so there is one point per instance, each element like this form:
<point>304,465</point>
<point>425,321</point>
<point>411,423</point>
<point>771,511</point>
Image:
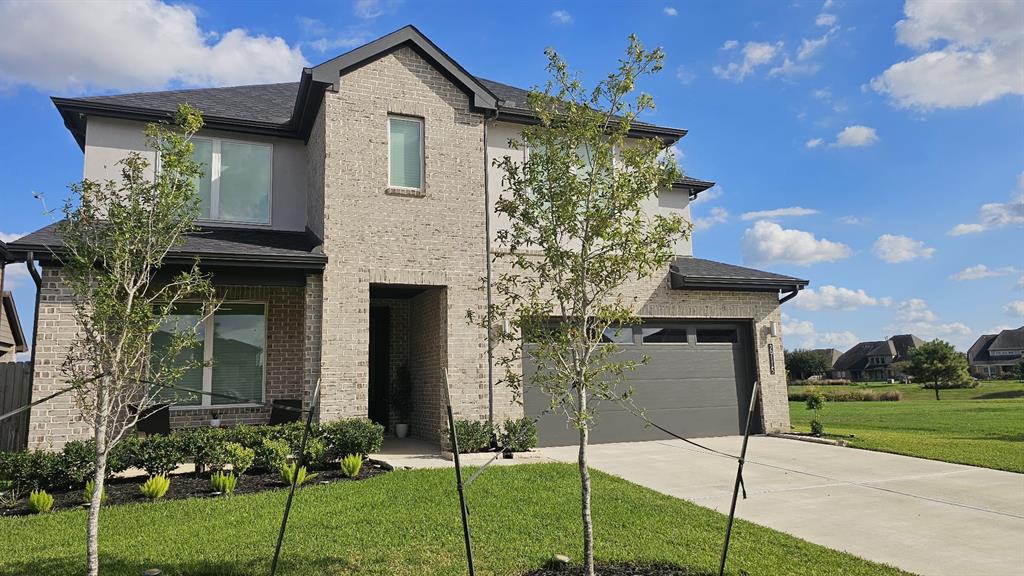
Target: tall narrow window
<point>236,181</point>
<point>405,152</point>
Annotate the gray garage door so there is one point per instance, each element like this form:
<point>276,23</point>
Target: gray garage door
<point>696,384</point>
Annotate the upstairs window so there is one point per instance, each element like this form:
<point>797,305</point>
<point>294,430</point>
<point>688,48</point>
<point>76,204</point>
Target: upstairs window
<point>405,152</point>
<point>235,185</point>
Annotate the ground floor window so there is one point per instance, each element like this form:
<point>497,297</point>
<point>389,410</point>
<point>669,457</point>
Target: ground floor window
<point>232,344</point>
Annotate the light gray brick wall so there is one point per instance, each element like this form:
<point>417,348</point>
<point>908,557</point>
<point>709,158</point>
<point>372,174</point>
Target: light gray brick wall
<point>374,235</point>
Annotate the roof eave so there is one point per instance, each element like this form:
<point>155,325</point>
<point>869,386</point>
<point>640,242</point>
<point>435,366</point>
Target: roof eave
<point>48,255</point>
<point>681,282</point>
<point>20,344</point>
<point>668,136</point>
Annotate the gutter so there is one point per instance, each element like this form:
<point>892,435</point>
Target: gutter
<point>791,294</point>
<point>30,263</point>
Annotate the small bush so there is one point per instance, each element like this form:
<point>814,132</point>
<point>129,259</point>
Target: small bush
<point>817,429</point>
<point>289,474</point>
<point>270,455</point>
<point>31,470</point>
<point>122,456</point>
<point>78,463</point>
<point>156,486</point>
<point>223,482</point>
<point>351,436</point>
<point>39,502</point>
<point>473,436</point>
<point>519,435</point>
<point>351,465</point>
<point>204,447</point>
<point>239,457</point>
<point>159,454</point>
<point>246,435</point>
<point>849,395</point>
<point>822,382</point>
<point>87,493</point>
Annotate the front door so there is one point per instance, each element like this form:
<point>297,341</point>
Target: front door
<point>380,378</point>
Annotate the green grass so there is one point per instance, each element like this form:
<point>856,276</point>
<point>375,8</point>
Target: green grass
<point>407,523</point>
<point>981,426</point>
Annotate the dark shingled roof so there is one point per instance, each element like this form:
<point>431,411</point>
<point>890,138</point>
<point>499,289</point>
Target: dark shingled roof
<point>212,245</point>
<point>689,273</point>
<point>1009,340</point>
<point>856,358</point>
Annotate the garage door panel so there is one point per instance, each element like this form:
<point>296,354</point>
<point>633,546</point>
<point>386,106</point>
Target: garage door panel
<point>689,362</point>
<point>622,426</point>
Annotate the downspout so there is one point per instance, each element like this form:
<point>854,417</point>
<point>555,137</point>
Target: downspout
<point>487,258</point>
<point>30,263</point>
<point>791,294</point>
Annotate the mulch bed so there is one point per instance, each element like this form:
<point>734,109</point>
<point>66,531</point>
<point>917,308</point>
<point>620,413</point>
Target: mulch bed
<point>619,570</point>
<point>189,485</point>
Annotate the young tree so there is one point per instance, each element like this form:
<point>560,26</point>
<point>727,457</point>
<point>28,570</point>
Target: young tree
<point>938,365</point>
<point>1018,371</point>
<point>804,363</point>
<point>577,232</point>
<point>116,235</point>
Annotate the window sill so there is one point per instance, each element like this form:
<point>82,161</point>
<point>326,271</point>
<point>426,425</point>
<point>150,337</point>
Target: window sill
<point>213,407</point>
<point>408,192</point>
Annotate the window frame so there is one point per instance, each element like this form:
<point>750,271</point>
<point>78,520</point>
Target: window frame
<point>206,402</point>
<point>661,325</point>
<point>423,152</point>
<point>215,163</point>
<point>734,328</point>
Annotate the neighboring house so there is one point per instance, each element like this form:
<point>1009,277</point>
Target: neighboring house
<point>12,337</point>
<point>831,355</point>
<point>874,361</point>
<point>345,222</point>
<point>995,355</point>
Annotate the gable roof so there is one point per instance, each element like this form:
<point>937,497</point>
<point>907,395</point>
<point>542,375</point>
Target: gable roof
<point>1009,340</point>
<point>904,343</point>
<point>689,273</point>
<point>288,110</point>
<point>856,358</point>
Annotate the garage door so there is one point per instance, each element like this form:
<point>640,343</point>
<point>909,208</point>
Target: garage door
<point>697,384</point>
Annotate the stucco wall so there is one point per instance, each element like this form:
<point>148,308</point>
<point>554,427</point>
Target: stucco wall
<point>108,140</point>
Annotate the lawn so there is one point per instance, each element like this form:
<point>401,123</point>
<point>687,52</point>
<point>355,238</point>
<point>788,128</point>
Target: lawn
<point>407,523</point>
<point>983,426</point>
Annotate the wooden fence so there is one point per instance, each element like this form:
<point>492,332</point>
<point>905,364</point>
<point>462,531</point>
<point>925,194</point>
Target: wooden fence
<point>15,392</point>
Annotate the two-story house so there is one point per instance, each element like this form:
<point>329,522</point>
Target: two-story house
<point>874,361</point>
<point>347,221</point>
<point>996,355</point>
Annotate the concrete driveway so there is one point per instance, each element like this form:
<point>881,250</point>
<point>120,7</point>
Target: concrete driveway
<point>927,517</point>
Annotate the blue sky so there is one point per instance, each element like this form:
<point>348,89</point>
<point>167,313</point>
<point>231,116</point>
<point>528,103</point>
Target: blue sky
<point>875,148</point>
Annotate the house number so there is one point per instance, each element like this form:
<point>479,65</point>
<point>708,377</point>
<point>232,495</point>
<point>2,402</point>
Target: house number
<point>771,358</point>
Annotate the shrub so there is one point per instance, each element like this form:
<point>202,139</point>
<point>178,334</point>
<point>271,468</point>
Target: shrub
<point>223,482</point>
<point>822,382</point>
<point>246,435</point>
<point>122,456</point>
<point>289,474</point>
<point>31,470</point>
<point>270,455</point>
<point>87,493</point>
<point>519,435</point>
<point>203,446</point>
<point>39,502</point>
<point>239,457</point>
<point>156,486</point>
<point>292,434</point>
<point>816,401</point>
<point>817,429</point>
<point>78,464</point>
<point>351,436</point>
<point>849,395</point>
<point>351,465</point>
<point>473,436</point>
<point>159,454</point>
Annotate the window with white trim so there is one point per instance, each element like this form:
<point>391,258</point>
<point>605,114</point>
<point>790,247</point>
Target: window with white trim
<point>232,344</point>
<point>236,181</point>
<point>405,152</point>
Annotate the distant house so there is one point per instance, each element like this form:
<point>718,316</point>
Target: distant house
<point>995,355</point>
<point>873,361</point>
<point>831,355</point>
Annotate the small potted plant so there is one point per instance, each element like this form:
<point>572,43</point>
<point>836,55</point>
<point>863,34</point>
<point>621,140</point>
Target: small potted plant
<point>215,419</point>
<point>401,401</point>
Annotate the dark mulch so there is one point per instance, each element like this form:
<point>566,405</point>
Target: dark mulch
<point>189,485</point>
<point>619,570</point>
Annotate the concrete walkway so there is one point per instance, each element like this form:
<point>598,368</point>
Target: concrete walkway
<point>924,516</point>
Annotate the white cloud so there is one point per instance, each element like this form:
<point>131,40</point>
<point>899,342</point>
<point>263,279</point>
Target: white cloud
<point>810,46</point>
<point>855,136</point>
<point>854,220</point>
<point>982,271</point>
<point>8,237</point>
<point>718,216</point>
<point>791,68</point>
<point>730,45</point>
<point>914,317</point>
<point>708,195</point>
<point>1015,308</point>
<point>814,143</point>
<point>755,54</point>
<point>977,43</point>
<point>685,75</point>
<point>778,212</point>
<point>561,17</point>
<point>670,11</point>
<point>807,336</point>
<point>370,9</point>
<point>16,276</point>
<point>768,242</point>
<point>826,19</point>
<point>996,214</point>
<point>893,248</point>
<point>835,298</point>
<point>77,47</point>
<point>345,42</point>
<point>1020,283</point>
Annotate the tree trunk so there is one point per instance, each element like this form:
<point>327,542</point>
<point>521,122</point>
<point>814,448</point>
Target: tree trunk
<point>93,524</point>
<point>588,525</point>
<point>936,390</point>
